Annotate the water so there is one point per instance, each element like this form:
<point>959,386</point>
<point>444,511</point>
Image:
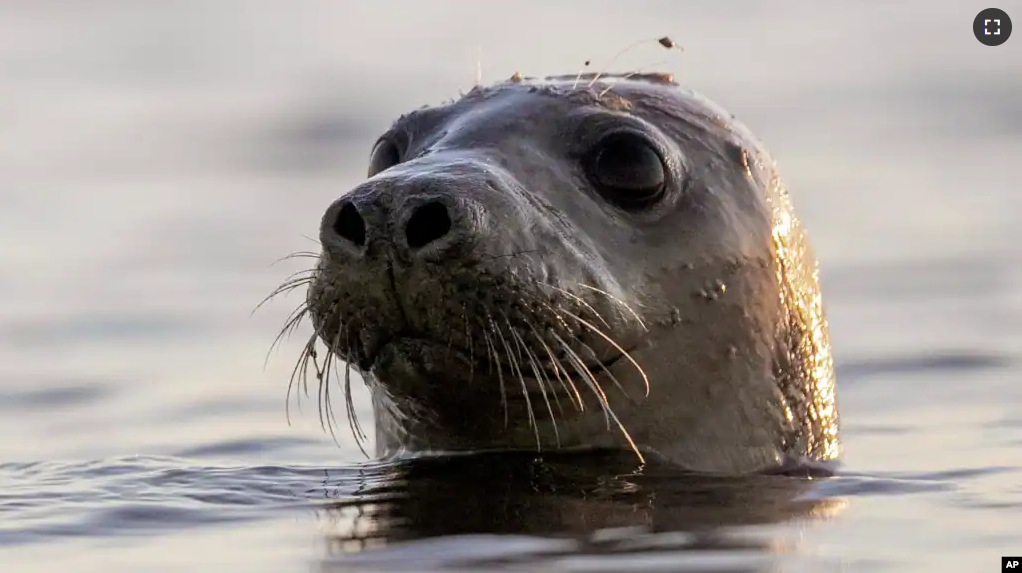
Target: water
<point>156,158</point>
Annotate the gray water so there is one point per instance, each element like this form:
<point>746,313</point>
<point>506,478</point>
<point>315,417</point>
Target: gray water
<point>156,158</point>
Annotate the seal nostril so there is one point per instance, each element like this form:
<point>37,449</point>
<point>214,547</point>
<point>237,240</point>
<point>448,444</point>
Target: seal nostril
<point>350,225</point>
<point>429,223</point>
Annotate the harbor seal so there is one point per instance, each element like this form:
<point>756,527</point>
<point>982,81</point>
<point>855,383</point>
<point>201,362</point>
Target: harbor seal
<point>578,262</point>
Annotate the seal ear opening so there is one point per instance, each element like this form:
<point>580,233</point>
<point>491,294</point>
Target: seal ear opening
<point>627,170</point>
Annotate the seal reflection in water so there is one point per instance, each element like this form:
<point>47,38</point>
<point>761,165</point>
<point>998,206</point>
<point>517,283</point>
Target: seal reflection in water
<point>578,263</point>
<point>436,513</point>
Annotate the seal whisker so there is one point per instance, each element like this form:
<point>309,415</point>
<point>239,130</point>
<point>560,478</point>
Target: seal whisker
<point>579,300</point>
<point>618,301</point>
<point>516,369</point>
<point>296,255</point>
<point>292,322</point>
<point>625,353</point>
<point>294,319</point>
<point>322,372</point>
<point>541,381</point>
<point>299,273</point>
<point>353,424</point>
<point>292,278</point>
<point>326,412</point>
<point>525,390</point>
<point>560,318</point>
<point>607,410</point>
<point>607,370</point>
<point>557,372</point>
<point>313,240</point>
<point>314,359</point>
<point>587,377</point>
<point>301,366</point>
<point>596,330</point>
<point>534,358</point>
<point>500,376</point>
<point>285,287</point>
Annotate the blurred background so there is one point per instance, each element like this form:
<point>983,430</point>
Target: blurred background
<point>156,158</point>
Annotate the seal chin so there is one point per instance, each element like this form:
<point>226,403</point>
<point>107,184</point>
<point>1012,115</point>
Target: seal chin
<point>411,356</point>
<point>404,364</point>
<point>408,360</point>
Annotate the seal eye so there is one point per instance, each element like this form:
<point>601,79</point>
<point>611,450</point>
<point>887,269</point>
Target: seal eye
<point>384,156</point>
<point>628,171</point>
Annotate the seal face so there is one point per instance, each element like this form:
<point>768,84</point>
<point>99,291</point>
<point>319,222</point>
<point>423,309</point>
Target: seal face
<point>561,264</point>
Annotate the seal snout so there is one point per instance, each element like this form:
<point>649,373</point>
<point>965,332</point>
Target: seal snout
<point>417,226</point>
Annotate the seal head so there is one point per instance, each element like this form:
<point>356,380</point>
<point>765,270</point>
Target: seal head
<point>561,264</point>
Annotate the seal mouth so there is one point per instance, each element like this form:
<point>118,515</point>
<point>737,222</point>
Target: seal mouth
<point>524,368</point>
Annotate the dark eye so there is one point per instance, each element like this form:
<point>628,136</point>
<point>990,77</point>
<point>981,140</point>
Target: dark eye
<point>627,170</point>
<point>384,156</point>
